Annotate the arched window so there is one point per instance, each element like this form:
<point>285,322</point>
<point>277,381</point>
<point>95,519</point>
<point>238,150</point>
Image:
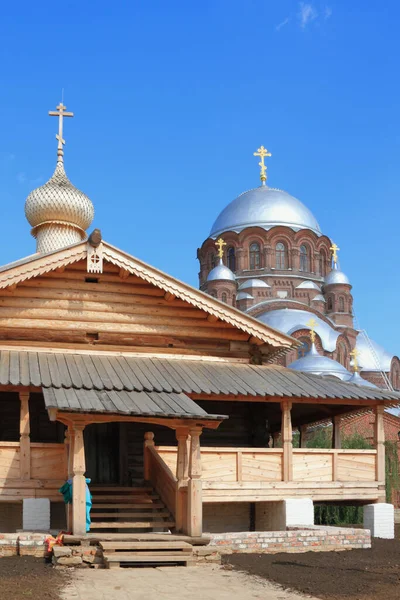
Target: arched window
<point>341,304</point>
<point>304,348</point>
<point>342,354</point>
<point>322,263</point>
<point>304,259</point>
<point>330,303</point>
<point>213,293</point>
<point>255,256</point>
<point>280,256</point>
<point>224,297</point>
<point>231,258</point>
<point>213,262</point>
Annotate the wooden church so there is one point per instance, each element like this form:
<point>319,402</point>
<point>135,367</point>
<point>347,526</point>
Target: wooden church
<point>165,398</point>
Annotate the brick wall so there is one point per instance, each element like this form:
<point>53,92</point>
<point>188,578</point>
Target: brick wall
<point>227,516</point>
<point>314,539</point>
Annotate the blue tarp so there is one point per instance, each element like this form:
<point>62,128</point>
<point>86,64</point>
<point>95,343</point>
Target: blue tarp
<point>66,491</point>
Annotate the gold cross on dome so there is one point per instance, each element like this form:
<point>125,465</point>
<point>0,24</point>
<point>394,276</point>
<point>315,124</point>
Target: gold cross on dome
<point>262,153</point>
<point>220,245</point>
<point>312,324</point>
<point>60,112</point>
<point>354,355</point>
<point>334,248</point>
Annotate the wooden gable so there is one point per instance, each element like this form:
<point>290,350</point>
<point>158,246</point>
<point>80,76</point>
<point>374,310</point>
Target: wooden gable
<point>118,310</point>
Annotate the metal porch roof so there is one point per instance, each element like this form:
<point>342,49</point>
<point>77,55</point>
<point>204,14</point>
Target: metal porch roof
<point>188,376</point>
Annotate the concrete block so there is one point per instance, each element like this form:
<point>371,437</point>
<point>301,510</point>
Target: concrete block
<point>36,514</point>
<point>299,511</point>
<point>379,519</point>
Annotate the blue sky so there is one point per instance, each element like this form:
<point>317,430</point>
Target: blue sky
<point>172,98</point>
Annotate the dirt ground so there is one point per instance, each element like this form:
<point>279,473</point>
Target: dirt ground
<point>351,575</point>
<point>25,577</point>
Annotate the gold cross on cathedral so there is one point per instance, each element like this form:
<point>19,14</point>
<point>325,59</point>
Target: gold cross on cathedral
<point>312,324</point>
<point>334,248</point>
<point>354,355</point>
<point>60,112</point>
<point>262,153</point>
<point>220,245</point>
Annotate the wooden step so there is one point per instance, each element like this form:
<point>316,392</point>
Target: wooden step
<point>120,488</point>
<point>132,525</point>
<point>129,506</point>
<point>113,559</point>
<point>125,498</point>
<point>141,515</point>
<point>155,545</point>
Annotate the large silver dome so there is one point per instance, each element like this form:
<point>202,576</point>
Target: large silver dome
<point>264,207</point>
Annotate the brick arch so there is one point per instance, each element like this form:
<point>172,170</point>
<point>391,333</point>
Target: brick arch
<point>343,342</point>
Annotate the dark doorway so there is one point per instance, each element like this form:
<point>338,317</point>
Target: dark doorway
<point>102,452</point>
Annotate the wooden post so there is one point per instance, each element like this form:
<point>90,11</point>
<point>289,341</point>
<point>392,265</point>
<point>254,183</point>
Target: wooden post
<point>148,441</point>
<point>182,469</point>
<point>195,501</point>
<point>380,445</point>
<point>79,483</point>
<point>239,466</point>
<point>69,442</point>
<point>303,436</point>
<point>336,432</point>
<point>24,437</point>
<point>287,443</point>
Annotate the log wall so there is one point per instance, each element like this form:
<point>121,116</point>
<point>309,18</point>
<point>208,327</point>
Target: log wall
<point>73,307</point>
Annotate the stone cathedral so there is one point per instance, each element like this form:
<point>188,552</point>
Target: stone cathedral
<point>266,255</point>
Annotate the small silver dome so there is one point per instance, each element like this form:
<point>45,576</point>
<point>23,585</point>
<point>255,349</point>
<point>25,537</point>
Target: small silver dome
<point>244,296</point>
<point>264,207</point>
<point>253,283</point>
<point>221,273</point>
<point>358,380</point>
<point>318,298</point>
<point>308,285</point>
<point>336,276</point>
<point>317,364</point>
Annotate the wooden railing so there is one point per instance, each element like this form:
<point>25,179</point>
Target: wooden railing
<point>265,464</point>
<point>316,464</point>
<point>47,461</point>
<point>161,477</point>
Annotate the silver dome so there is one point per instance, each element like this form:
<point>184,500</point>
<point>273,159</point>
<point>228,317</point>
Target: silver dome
<point>244,296</point>
<point>336,276</point>
<point>308,285</point>
<point>221,273</point>
<point>289,320</point>
<point>317,364</point>
<point>358,380</point>
<point>318,298</point>
<point>253,283</point>
<point>372,356</point>
<point>264,207</point>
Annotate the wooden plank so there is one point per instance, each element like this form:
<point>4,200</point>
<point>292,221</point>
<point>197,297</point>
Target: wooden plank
<point>151,545</point>
<point>132,524</point>
<point>136,515</point>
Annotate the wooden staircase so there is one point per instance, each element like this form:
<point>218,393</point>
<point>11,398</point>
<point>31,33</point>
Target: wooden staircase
<point>131,509</point>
